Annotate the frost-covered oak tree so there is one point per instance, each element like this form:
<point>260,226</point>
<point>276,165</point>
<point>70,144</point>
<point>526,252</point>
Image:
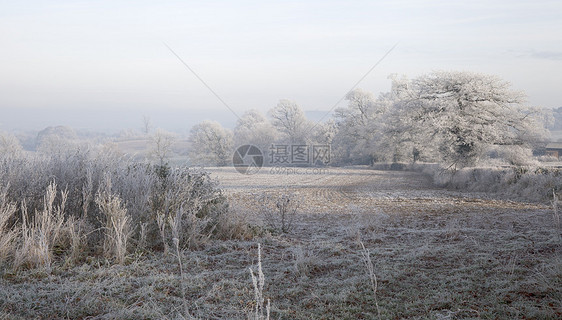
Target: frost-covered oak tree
<point>460,115</point>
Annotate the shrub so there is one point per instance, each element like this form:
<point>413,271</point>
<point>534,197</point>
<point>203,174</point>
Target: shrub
<point>7,234</point>
<point>117,222</point>
<point>41,231</point>
<point>112,202</point>
<point>190,203</point>
<point>279,210</point>
<point>528,183</point>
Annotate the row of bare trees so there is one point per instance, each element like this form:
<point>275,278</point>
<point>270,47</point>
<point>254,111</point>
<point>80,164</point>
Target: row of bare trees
<point>287,124</point>
<point>454,118</point>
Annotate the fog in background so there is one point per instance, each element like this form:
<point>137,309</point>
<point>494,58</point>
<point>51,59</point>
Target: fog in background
<point>103,65</point>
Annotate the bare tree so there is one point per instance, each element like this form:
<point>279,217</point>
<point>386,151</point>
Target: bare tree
<point>325,132</point>
<point>289,118</point>
<point>146,125</point>
<point>161,146</point>
<point>211,144</point>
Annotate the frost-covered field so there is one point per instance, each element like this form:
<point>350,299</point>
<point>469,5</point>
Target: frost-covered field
<point>437,254</point>
<point>346,190</point>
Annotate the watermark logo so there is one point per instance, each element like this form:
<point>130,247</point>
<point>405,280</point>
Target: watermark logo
<point>299,154</point>
<point>247,159</point>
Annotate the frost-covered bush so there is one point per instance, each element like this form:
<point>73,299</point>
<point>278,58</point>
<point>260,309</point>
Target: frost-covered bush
<point>530,183</point>
<point>279,210</point>
<point>547,158</point>
<point>9,144</point>
<point>477,179</point>
<point>517,155</point>
<point>113,201</point>
<point>190,203</point>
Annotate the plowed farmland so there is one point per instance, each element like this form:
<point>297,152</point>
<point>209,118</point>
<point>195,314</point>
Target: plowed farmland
<point>438,253</point>
<point>435,254</point>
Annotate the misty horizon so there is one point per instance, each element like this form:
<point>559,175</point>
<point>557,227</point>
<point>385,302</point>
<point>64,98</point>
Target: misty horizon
<point>114,121</point>
<point>103,66</point>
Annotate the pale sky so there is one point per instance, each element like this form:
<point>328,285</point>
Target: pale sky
<point>63,59</point>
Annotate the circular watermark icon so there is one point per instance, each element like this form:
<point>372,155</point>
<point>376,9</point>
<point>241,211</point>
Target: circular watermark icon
<point>247,159</point>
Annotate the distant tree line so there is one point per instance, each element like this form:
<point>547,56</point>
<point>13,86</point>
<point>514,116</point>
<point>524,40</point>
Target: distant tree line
<point>454,118</point>
<point>287,124</point>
